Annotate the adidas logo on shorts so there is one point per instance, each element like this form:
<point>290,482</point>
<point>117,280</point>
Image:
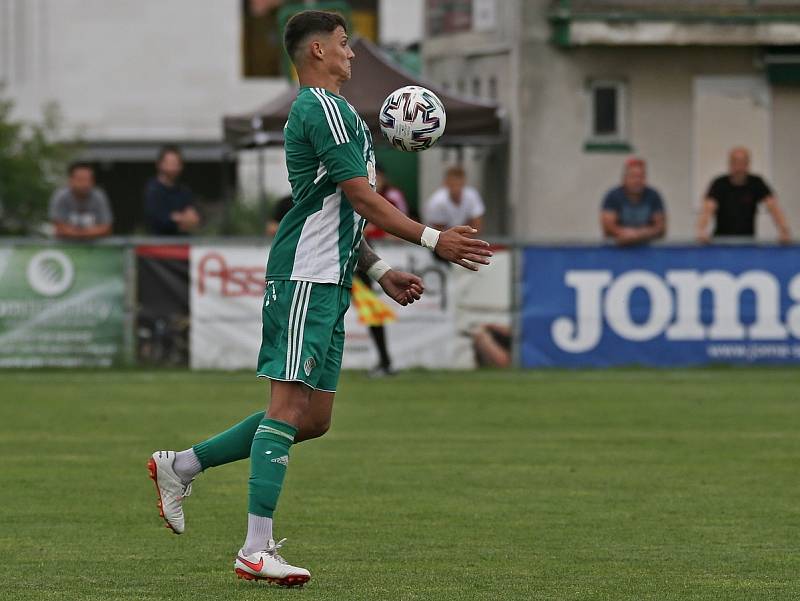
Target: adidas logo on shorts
<point>309,365</point>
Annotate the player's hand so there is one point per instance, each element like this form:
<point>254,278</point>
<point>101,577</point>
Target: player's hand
<point>457,246</point>
<point>403,288</point>
<point>703,237</point>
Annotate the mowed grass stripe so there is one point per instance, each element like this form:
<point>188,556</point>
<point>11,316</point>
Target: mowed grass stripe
<point>631,484</point>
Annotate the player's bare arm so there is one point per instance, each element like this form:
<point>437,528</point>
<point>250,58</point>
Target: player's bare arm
<point>454,245</point>
<point>403,288</point>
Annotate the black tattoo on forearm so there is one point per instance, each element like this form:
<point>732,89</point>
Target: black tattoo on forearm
<point>367,258</point>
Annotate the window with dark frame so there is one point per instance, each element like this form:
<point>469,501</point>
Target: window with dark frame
<point>607,110</point>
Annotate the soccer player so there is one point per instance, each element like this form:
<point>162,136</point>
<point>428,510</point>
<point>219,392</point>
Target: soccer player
<point>331,167</point>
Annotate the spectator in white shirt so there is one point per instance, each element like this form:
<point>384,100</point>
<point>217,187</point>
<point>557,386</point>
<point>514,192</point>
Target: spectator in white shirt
<point>455,203</point>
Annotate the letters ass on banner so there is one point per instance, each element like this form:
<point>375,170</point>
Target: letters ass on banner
<point>596,307</point>
<point>227,291</point>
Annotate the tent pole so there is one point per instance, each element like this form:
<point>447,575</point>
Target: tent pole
<point>262,186</point>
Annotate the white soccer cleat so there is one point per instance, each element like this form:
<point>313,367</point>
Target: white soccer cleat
<point>268,565</point>
<point>171,489</point>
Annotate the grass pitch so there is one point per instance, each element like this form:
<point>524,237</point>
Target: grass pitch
<point>621,485</point>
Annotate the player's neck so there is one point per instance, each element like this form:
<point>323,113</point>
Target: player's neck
<point>320,80</point>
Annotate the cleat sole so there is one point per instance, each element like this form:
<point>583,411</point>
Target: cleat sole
<point>153,472</point>
<point>289,581</point>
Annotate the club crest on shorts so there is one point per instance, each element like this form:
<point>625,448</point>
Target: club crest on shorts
<point>309,364</point>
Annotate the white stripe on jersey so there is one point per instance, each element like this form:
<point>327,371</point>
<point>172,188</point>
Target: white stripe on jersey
<point>316,256</point>
<point>322,171</point>
<point>335,114</point>
<point>337,136</point>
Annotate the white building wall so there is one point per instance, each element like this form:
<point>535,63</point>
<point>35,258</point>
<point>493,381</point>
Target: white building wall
<point>129,69</point>
<point>562,184</point>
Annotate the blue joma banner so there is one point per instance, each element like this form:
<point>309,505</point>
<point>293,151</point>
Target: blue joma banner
<point>662,306</point>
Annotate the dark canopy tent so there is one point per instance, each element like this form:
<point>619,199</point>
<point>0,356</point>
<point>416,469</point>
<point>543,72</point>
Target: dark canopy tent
<point>469,122</point>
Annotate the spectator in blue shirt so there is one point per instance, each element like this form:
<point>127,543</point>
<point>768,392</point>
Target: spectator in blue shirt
<point>168,207</point>
<point>633,213</point>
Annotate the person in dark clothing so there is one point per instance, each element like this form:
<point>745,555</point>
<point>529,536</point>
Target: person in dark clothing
<point>633,213</point>
<point>168,204</point>
<point>278,213</point>
<point>733,199</point>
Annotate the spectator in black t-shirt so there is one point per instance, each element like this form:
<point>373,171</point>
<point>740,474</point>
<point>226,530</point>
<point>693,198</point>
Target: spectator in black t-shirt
<point>733,200</point>
<point>168,207</point>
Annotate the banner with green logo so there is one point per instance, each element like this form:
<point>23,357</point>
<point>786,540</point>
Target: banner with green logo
<point>61,306</point>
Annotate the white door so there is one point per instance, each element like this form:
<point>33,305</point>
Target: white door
<point>728,112</point>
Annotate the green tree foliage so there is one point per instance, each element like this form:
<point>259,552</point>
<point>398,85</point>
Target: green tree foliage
<point>32,163</point>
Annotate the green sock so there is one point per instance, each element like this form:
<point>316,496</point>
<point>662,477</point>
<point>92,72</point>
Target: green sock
<point>269,457</point>
<point>231,445</point>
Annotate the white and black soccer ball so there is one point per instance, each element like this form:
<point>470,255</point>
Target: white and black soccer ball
<point>412,118</point>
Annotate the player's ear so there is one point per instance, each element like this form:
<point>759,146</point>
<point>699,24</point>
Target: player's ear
<point>316,49</point>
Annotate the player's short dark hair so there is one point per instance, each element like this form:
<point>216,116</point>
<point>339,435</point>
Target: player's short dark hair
<point>75,165</point>
<point>309,22</point>
<point>168,149</point>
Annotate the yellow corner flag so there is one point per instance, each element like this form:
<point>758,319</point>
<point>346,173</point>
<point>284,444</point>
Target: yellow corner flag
<point>371,310</point>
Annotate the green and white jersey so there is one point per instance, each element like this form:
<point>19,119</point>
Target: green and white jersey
<point>327,142</point>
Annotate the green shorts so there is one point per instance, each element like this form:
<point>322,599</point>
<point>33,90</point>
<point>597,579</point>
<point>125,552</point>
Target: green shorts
<point>302,336</point>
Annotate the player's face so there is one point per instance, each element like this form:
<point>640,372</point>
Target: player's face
<point>81,181</point>
<point>338,54</point>
<point>635,180</point>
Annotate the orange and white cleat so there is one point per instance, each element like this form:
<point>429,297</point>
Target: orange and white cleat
<point>268,565</point>
<point>171,489</point>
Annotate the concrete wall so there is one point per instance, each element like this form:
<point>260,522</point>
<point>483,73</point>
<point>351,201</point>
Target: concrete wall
<point>563,183</point>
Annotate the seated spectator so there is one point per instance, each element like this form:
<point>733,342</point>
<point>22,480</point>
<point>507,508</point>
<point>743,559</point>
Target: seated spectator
<point>278,213</point>
<point>384,187</point>
<point>733,199</point>
<point>168,204</point>
<point>633,213</point>
<point>80,211</point>
<point>455,203</point>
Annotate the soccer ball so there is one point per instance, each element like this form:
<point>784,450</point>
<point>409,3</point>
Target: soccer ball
<point>412,118</point>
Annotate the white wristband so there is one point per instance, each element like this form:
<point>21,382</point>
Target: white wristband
<point>430,238</point>
<point>378,270</point>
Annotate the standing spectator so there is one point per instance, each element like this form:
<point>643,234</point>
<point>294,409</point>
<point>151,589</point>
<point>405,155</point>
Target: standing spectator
<point>733,200</point>
<point>633,213</point>
<point>372,232</point>
<point>80,211</point>
<point>168,204</point>
<point>455,203</point>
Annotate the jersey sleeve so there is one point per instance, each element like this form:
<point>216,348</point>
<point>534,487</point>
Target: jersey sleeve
<point>658,202</point>
<point>610,202</point>
<point>715,190</point>
<point>478,208</point>
<point>761,189</point>
<point>435,212</point>
<point>334,138</point>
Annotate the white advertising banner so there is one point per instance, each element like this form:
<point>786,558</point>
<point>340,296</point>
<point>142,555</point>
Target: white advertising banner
<point>227,287</point>
<point>424,334</point>
<point>226,291</point>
